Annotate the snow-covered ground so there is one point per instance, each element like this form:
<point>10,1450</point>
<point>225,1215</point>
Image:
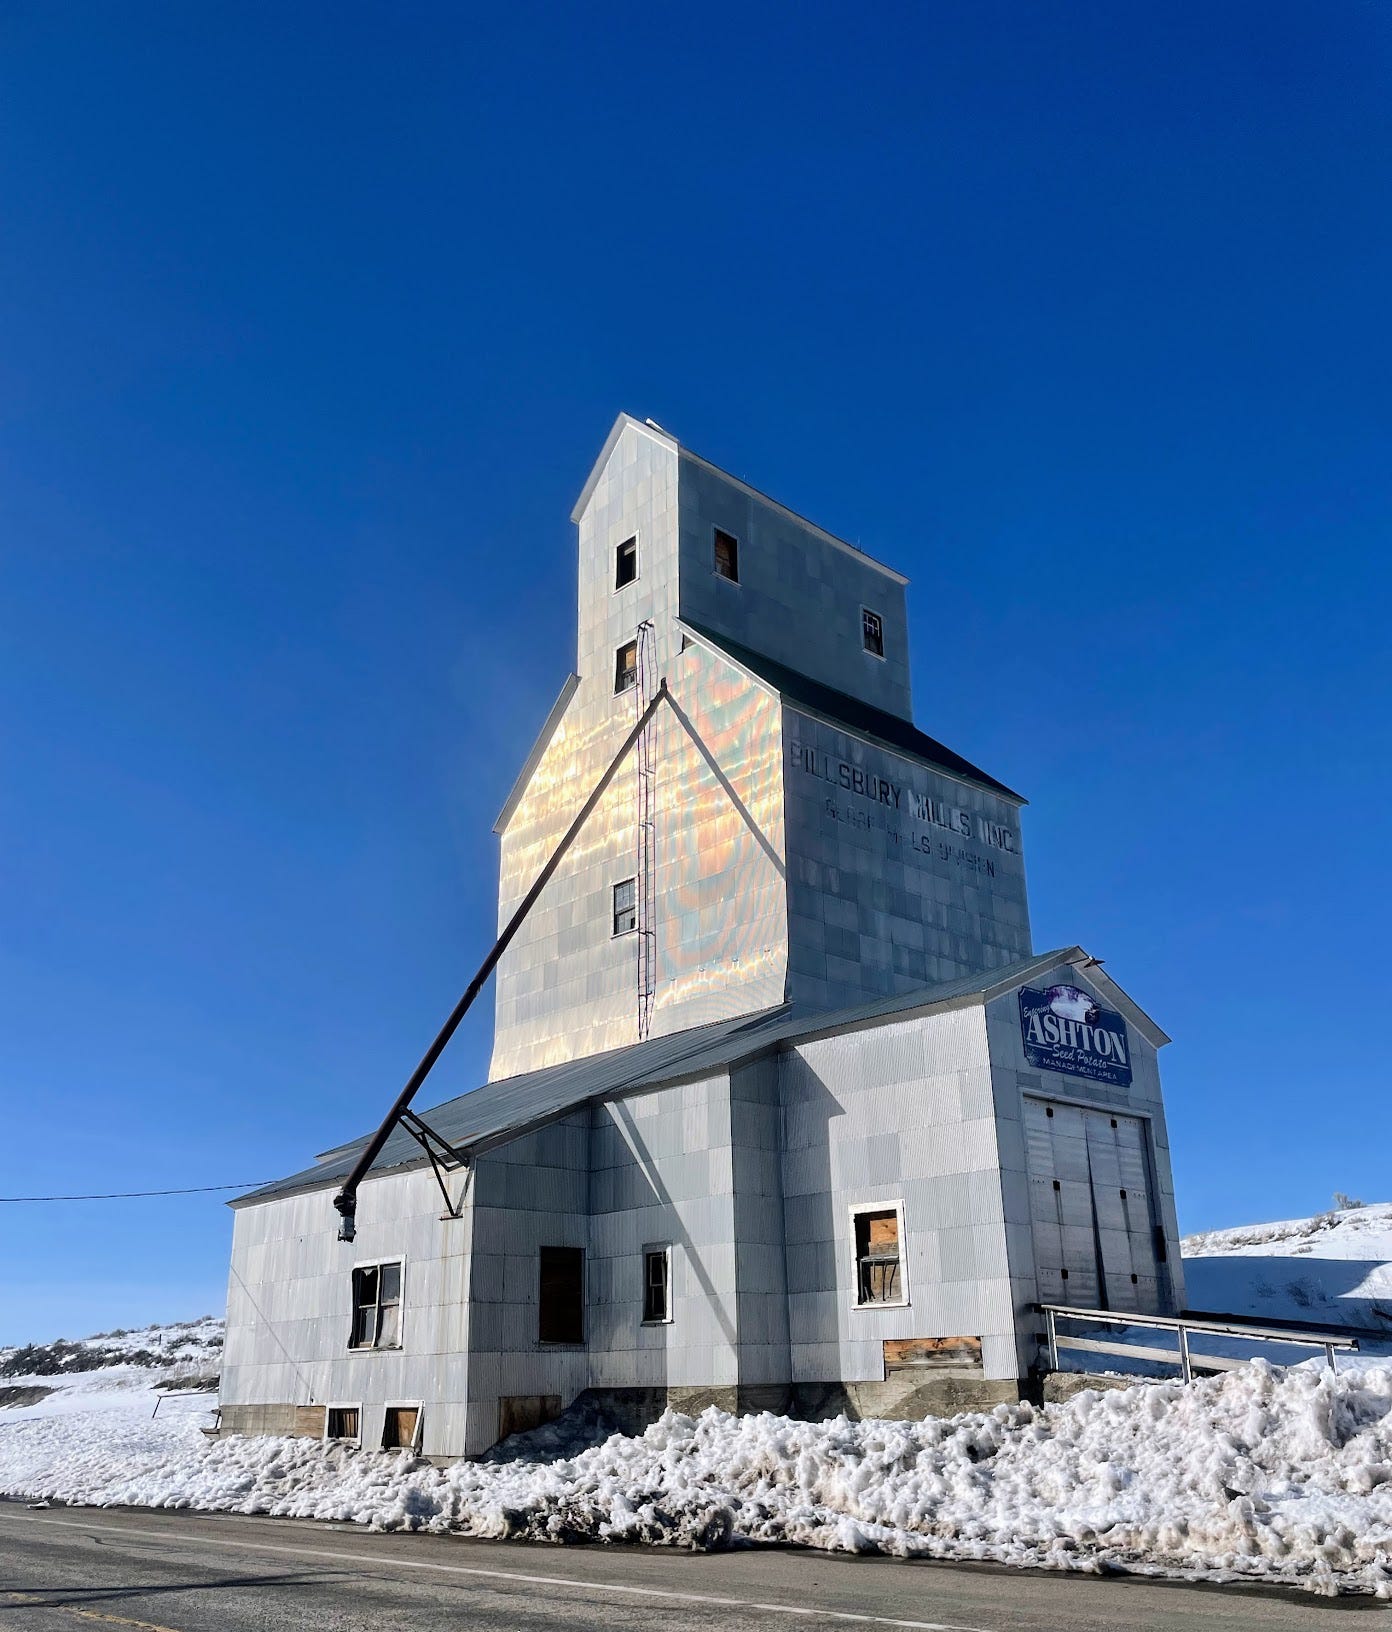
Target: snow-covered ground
<point>1335,1268</point>
<point>1264,1473</point>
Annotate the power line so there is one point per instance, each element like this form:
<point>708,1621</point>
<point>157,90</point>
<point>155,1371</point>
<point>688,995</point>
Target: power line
<point>127,1195</point>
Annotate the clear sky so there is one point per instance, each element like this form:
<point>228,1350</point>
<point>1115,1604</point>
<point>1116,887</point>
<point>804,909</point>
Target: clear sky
<point>313,319</point>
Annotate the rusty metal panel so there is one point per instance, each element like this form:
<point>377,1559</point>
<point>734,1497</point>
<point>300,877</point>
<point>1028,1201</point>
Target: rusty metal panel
<point>958,1353</point>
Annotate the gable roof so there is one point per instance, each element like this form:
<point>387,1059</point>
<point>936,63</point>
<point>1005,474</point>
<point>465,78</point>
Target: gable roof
<point>499,1111</point>
<point>648,428</point>
<point>840,708</point>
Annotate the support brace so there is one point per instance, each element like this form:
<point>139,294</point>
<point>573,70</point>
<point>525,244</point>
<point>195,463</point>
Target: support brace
<point>437,1148</point>
<point>346,1201</point>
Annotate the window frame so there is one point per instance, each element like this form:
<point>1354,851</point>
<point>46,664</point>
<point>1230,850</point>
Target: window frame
<point>418,1406</point>
<point>399,1259</point>
<point>653,1249</point>
<point>617,588</point>
<point>615,933</point>
<point>870,612</point>
<point>565,1342</point>
<point>343,1439</point>
<point>717,533</point>
<point>623,690</point>
<point>857,1210</point>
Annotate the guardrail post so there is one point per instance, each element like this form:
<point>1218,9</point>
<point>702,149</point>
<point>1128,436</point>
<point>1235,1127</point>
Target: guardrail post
<point>1052,1329</point>
<point>1185,1365</point>
<point>1329,1356</point>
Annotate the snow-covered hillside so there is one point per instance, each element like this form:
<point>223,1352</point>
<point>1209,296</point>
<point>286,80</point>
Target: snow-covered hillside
<point>124,1371</point>
<point>1335,1268</point>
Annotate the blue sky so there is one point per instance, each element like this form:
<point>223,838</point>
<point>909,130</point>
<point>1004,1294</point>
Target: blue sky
<point>314,318</point>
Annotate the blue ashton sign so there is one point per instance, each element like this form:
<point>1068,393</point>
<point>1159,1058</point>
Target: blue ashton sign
<point>1066,1029</point>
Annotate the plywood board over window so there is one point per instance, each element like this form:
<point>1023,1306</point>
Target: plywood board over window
<point>401,1428</point>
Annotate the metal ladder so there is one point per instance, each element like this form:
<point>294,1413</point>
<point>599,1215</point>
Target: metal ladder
<point>646,885</point>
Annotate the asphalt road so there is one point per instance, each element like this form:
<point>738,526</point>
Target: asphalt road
<point>81,1570</point>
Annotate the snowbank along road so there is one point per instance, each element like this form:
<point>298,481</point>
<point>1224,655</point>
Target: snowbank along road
<point>1263,1475</point>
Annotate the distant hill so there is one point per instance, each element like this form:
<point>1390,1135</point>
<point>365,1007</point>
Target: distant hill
<point>1334,1268</point>
<point>154,1354</point>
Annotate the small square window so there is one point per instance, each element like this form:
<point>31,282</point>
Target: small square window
<point>376,1307</point>
<point>561,1295</point>
<point>401,1428</point>
<point>625,906</point>
<point>626,563</point>
<point>626,667</point>
<point>872,632</point>
<point>657,1284</point>
<point>344,1422</point>
<point>879,1276</point>
<point>726,556</point>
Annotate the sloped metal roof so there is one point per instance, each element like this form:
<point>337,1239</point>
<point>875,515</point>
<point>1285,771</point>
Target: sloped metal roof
<point>499,1111</point>
<point>840,708</point>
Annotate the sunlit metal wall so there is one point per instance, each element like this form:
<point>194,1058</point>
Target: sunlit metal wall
<point>568,986</point>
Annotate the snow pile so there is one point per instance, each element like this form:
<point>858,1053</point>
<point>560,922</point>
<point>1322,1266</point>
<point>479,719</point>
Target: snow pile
<point>1259,1474</point>
<point>1333,1269</point>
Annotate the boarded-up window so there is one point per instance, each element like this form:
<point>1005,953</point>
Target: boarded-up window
<point>561,1295</point>
<point>726,555</point>
<point>376,1307</point>
<point>657,1276</point>
<point>344,1422</point>
<point>879,1277</point>
<point>626,563</point>
<point>626,666</point>
<point>400,1427</point>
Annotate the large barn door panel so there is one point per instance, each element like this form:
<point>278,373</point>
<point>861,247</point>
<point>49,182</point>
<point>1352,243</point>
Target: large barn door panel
<point>1061,1210</point>
<point>1090,1208</point>
<point>1125,1221</point>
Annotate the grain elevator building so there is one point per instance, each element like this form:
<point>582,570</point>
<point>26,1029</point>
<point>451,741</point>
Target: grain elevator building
<point>784,1109</point>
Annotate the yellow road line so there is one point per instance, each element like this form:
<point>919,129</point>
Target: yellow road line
<point>85,1614</point>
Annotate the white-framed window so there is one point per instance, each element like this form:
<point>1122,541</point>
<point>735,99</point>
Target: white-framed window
<point>376,1305</point>
<point>344,1422</point>
<point>626,562</point>
<point>625,906</point>
<point>626,667</point>
<point>657,1284</point>
<point>880,1275</point>
<point>401,1425</point>
<point>726,555</point>
<point>872,632</point>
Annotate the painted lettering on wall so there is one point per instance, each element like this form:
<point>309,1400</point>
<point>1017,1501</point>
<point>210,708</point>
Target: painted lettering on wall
<point>899,798</point>
<point>1066,1029</point>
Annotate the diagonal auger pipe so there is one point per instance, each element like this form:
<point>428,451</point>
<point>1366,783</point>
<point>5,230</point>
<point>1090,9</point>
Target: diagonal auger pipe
<point>346,1201</point>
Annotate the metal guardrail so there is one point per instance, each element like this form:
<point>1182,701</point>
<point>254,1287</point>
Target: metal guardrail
<point>1181,1327</point>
